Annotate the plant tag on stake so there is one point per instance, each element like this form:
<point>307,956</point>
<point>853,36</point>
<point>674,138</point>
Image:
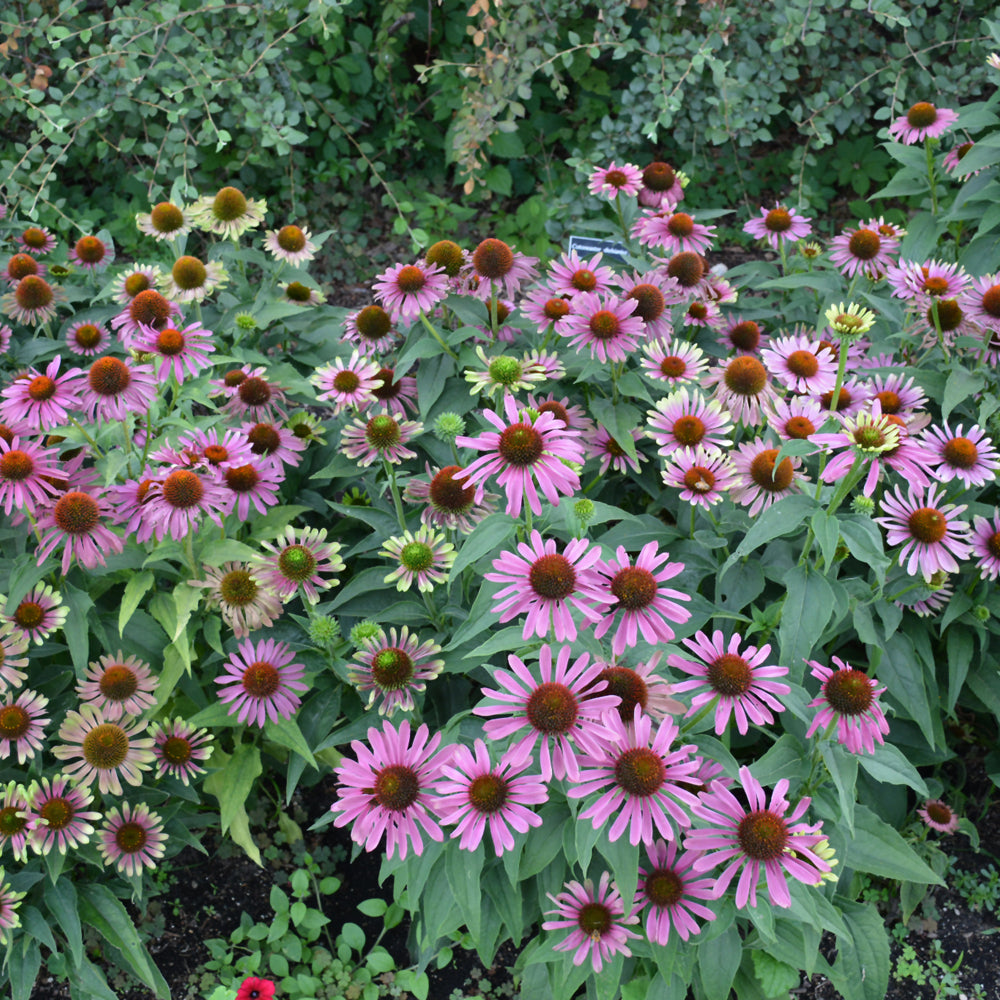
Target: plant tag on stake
<point>584,246</point>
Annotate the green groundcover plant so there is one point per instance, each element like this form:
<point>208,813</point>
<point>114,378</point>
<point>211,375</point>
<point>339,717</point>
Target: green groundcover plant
<point>626,599</point>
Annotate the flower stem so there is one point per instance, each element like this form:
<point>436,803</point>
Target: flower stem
<point>437,336</point>
<point>931,178</point>
<point>397,500</point>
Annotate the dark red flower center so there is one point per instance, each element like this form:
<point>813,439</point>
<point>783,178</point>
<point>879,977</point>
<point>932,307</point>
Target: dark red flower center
<point>605,325</point>
<point>688,268</point>
<point>242,478</point>
<point>118,682</point>
<point>640,771</point>
<point>90,249</point>
<point>492,259</point>
<point>634,587</point>
<point>583,280</point>
<point>697,310</point>
<point>14,722</point>
<point>450,494</point>
<point>927,525</point>
<point>663,887</point>
<point>730,675</point>
<point>991,301</point>
<point>889,401</point>
<point>949,313</point>
<point>254,391</point>
<point>16,465</point>
<point>628,686</point>
<point>555,308</point>
<point>521,444</point>
<point>295,291</point>
<point>939,812</point>
<point>688,430</point>
<point>448,255</point>
<point>215,454</point>
<point>651,302</point>
<point>961,453</point>
<point>386,389</point>
<point>33,292</point>
<point>29,614</point>
<point>552,708</point>
<point>109,377</point>
<point>131,837</point>
<point>556,409</point>
<point>849,692</point>
<point>699,479</point>
<point>552,576</point>
<point>864,244</point>
<point>802,364</point>
<point>261,679</point>
<point>291,239</point>
<point>234,377</point>
<point>595,920</point>
<point>410,279</point>
<point>238,588</point>
<point>76,513</point>
<point>188,273</point>
<point>183,489</point>
<point>680,224</point>
<point>176,750</point>
<point>392,668</point>
<point>673,366</point>
<point>993,544</point>
<point>763,835</point>
<point>58,812</point>
<point>373,323</point>
<point>11,824</point>
<point>170,342</point>
<point>844,399</point>
<point>149,308</point>
<point>778,220</point>
<point>799,428</point>
<point>745,335</point>
<point>21,265</point>
<point>87,336</point>
<point>488,793</point>
<point>766,476</point>
<point>745,376</point>
<point>659,176</point>
<point>34,237</point>
<point>922,115</point>
<point>396,787</point>
<point>166,218</point>
<point>346,381</point>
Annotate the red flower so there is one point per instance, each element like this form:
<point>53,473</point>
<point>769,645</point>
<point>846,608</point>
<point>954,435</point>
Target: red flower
<point>255,989</point>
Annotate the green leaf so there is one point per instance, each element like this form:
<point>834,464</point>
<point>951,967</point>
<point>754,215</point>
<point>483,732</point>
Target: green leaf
<point>22,969</point>
<point>61,902</point>
<point>843,768</point>
<point>878,849</point>
<point>809,603</point>
<point>463,870</point>
<point>34,924</point>
<point>76,629</point>
<point>718,960</point>
<point>232,782</point>
<point>901,672</point>
<point>776,978</point>
<point>623,860</point>
<point>889,765</point>
<point>619,420</point>
<point>286,733</point>
<point>864,542</point>
<point>373,907</point>
<point>827,532</point>
<point>862,967</point>
<point>103,911</point>
<point>961,385</point>
<point>354,936</point>
<point>487,536</point>
<point>135,590</point>
<point>545,842</point>
<point>788,758</point>
<point>779,519</point>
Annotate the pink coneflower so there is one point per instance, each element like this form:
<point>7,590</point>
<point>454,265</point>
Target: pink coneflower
<point>77,522</point>
<point>9,903</point>
<point>32,302</point>
<point>868,437</point>
<point>854,396</point>
<point>766,836</point>
<point>702,313</point>
<point>743,388</point>
<point>499,269</point>
<point>761,482</point>
<point>613,180</point>
<point>675,232</point>
<point>391,788</point>
<point>545,309</point>
<point>91,253</point>
<point>408,290</point>
<point>300,558</point>
<point>36,240</point>
<point>475,792</point>
<point>685,420</point>
<point>423,558</point>
<point>132,838</point>
<point>646,604</point>
<point>290,244</point>
<point>662,187</point>
<point>148,308</point>
<point>449,502</point>
<point>639,687</point>
<point>103,750</point>
<point>932,537</point>
<point>26,469</point>
<point>953,159</point>
<point>395,396</point>
<point>669,891</point>
<point>118,685</point>
<point>953,318</point>
<point>260,682</point>
<point>525,449</point>
<point>604,326</point>
<point>38,614</point>
<point>801,364</point>
<point>738,682</point>
<point>569,275</point>
<point>217,448</point>
<point>41,400</point>
<point>256,398</point>
<point>240,593</point>
<point>255,482</point>
<point>938,816</point>
<point>347,383</point>
<point>6,333</point>
<point>654,294</point>
<point>797,418</point>
<point>179,749</point>
<point>981,301</point>
<point>62,807</point>
<point>849,699</point>
<point>674,363</point>
<point>864,250</point>
<point>228,214</point>
<point>177,502</point>
<point>503,373</point>
<point>932,279</point>
<point>970,458</point>
<point>191,279</point>
<point>941,590</point>
<point>779,225</point>
<point>21,265</point>
<point>392,668</point>
<point>113,388</point>
<point>567,703</point>
<point>897,394</point>
<point>985,542</point>
<point>922,121</point>
<point>273,444</point>
<point>744,336</point>
<point>177,351</point>
<point>601,445</point>
<point>573,417</point>
<point>600,927</point>
<point>138,278</point>
<point>87,338</point>
<point>22,724</point>
<point>701,474</point>
<point>381,437</point>
<point>639,777</point>
<point>13,646</point>
<point>16,820</point>
<point>547,585</point>
<point>165,221</point>
<point>371,330</point>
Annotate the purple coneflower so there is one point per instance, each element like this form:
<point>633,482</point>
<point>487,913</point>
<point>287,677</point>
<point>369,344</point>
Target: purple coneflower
<point>449,502</point>
<point>701,474</point>
<point>743,388</point>
<point>42,401</point>
<point>247,604</point>
<point>779,225</point>
<point>290,244</point>
<point>922,121</point>
<point>392,668</point>
<point>569,275</point>
<point>299,558</point>
<point>938,816</point>
<point>675,232</point>
<point>674,363</point>
<point>801,364</point>
<point>347,383</point>
<point>132,838</point>
<point>78,521</point>
<point>113,388</point>
<point>91,253</point>
<point>985,543</point>
<point>164,221</point>
<point>177,351</point>
<point>102,750</point>
<point>668,891</point>
<point>38,614</point>
<point>62,806</point>
<point>797,418</point>
<point>17,821</point>
<point>176,503</point>
<point>612,180</point>
<point>87,338</point>
<point>865,250</point>
<point>255,482</point>
<point>22,724</point>
<point>408,290</point>
<point>761,481</point>
<point>970,458</point>
<point>686,420</point>
<point>423,558</point>
<point>118,686</point>
<point>744,336</point>
<point>499,269</point>
<point>260,682</point>
<point>849,700</point>
<point>26,471</point>
<point>179,749</point>
<point>607,327</point>
<point>381,437</point>
<point>371,329</point>
<point>36,240</point>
